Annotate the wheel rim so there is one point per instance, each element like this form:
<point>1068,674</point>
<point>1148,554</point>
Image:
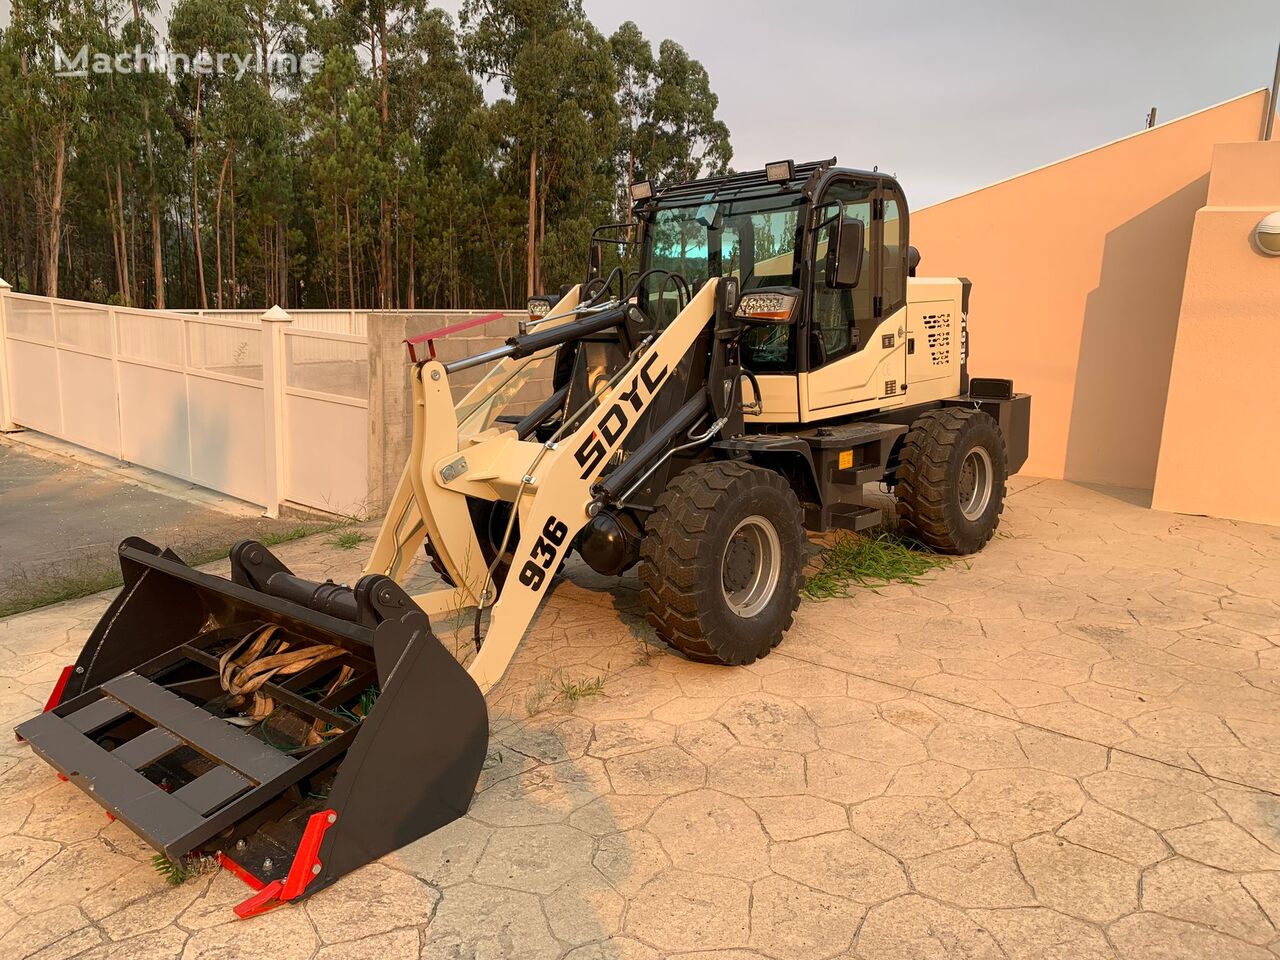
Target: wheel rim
<point>975,483</point>
<point>751,566</point>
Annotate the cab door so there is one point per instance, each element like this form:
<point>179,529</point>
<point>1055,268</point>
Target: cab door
<point>857,339</point>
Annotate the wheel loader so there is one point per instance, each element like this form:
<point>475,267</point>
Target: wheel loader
<point>762,353</point>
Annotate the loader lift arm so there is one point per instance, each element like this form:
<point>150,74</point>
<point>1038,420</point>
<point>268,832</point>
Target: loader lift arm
<point>552,485</point>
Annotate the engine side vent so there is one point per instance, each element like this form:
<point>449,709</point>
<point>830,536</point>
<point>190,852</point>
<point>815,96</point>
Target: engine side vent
<point>890,388</point>
<point>937,328</point>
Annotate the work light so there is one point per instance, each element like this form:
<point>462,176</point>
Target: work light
<point>779,171</point>
<point>539,307</point>
<point>641,190</point>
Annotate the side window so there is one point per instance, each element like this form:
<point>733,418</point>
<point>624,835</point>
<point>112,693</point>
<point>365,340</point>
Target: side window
<point>842,320</point>
<point>894,274</point>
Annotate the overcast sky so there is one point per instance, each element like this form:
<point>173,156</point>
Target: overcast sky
<point>951,96</point>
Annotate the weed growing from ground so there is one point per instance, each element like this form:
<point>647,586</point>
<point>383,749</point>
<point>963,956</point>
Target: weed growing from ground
<point>872,560</point>
<point>347,539</point>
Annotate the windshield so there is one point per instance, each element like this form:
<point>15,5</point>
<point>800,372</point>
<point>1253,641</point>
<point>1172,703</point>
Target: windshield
<point>753,240</point>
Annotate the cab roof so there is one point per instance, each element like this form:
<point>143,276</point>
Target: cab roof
<point>806,178</point>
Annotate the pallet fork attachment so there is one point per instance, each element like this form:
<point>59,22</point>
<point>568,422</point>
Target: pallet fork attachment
<point>298,730</point>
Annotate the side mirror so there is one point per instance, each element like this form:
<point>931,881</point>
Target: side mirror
<point>913,261</point>
<point>595,261</point>
<point>844,254</point>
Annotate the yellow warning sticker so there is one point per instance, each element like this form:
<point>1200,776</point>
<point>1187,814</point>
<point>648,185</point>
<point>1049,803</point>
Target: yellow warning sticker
<point>846,459</point>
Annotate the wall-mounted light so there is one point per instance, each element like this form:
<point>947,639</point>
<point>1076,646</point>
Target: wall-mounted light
<point>1266,236</point>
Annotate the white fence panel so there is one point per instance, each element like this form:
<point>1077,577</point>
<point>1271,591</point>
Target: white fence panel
<point>326,417</point>
<point>33,374</point>
<point>327,454</point>
<point>264,409</point>
<point>155,428</point>
<point>87,419</point>
<point>228,437</point>
<point>176,393</point>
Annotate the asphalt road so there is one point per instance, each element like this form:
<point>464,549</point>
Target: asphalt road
<point>60,519</point>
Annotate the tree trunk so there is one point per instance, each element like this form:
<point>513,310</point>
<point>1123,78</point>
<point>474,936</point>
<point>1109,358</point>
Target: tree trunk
<point>533,220</point>
<point>125,286</point>
<point>543,187</point>
<point>413,268</point>
<point>351,269</point>
<point>282,261</point>
<point>55,211</point>
<point>217,221</point>
<point>195,200</point>
<point>235,296</point>
<point>115,235</point>
<point>157,241</point>
<point>384,228</point>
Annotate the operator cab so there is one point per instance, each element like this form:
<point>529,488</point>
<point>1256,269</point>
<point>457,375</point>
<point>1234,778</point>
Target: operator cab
<point>770,229</point>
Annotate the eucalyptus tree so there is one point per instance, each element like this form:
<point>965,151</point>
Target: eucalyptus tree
<point>424,162</point>
<point>159,136</point>
<point>634,64</point>
<point>201,30</point>
<point>560,115</point>
<point>47,110</point>
<point>683,139</point>
<point>341,169</point>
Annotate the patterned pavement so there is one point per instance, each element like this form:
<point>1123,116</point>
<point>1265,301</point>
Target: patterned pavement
<point>1066,747</point>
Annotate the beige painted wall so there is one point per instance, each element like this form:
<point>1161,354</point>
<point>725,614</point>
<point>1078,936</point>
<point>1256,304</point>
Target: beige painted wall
<point>1220,453</point>
<point>1077,273</point>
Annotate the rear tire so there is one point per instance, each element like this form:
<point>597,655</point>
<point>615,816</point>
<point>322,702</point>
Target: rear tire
<point>722,562</point>
<point>951,480</point>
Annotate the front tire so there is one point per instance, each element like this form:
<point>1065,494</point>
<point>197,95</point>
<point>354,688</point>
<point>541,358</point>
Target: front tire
<point>722,562</point>
<point>951,480</point>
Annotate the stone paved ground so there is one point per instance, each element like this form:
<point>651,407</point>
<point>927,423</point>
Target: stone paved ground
<point>1066,747</point>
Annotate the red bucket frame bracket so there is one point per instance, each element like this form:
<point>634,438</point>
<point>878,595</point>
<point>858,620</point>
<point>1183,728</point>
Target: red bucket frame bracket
<point>306,867</point>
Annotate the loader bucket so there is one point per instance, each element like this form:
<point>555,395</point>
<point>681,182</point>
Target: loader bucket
<point>370,736</point>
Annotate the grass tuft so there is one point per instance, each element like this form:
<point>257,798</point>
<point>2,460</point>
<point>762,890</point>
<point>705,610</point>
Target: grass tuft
<point>176,873</point>
<point>276,537</point>
<point>347,539</point>
<point>871,560</point>
<point>571,691</point>
<point>32,592</point>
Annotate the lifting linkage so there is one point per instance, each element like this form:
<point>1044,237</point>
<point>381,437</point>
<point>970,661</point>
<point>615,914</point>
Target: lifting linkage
<point>385,732</point>
<point>554,485</point>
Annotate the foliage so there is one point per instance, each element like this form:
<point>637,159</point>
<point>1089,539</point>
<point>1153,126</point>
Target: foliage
<point>348,539</point>
<point>869,560</point>
<point>423,164</point>
<point>178,872</point>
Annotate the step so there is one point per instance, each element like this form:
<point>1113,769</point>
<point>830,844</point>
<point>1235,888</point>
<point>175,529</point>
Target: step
<point>852,517</point>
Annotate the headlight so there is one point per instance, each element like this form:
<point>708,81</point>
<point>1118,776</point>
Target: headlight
<point>768,306</point>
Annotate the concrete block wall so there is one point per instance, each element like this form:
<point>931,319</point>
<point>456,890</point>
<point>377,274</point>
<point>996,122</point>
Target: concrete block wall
<point>390,393</point>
